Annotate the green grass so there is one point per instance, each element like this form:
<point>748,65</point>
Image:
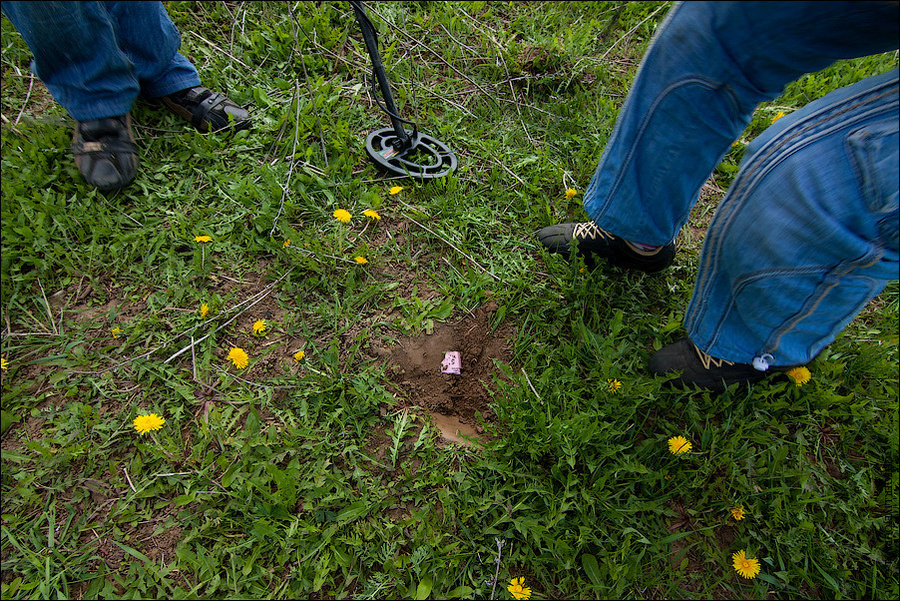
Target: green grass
<point>328,478</point>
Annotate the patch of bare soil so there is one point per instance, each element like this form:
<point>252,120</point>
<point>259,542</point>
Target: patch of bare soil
<point>158,546</point>
<point>453,401</point>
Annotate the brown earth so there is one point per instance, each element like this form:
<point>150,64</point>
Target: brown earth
<point>454,402</point>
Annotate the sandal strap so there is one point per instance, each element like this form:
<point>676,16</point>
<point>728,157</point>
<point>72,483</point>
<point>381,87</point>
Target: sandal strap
<point>110,145</point>
<point>195,94</point>
<point>208,104</point>
<point>206,109</point>
<point>204,101</point>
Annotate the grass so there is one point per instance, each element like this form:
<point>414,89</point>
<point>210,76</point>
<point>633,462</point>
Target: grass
<point>328,477</point>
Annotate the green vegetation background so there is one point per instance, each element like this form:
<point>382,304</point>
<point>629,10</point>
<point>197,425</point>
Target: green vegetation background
<point>270,487</point>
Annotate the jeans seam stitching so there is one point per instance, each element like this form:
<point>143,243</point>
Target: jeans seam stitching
<point>775,339</point>
<point>643,126</point>
<point>749,178</point>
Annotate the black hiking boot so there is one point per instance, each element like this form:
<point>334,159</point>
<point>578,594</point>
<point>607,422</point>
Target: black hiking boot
<point>592,241</point>
<point>707,372</point>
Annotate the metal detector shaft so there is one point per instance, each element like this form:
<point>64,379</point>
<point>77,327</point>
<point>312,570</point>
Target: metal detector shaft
<point>372,46</point>
<point>399,151</point>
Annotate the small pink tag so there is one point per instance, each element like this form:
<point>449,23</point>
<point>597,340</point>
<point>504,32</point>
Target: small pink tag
<point>451,363</point>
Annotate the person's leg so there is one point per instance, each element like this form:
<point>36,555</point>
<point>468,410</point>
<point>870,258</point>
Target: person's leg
<point>77,56</point>
<point>805,237</point>
<point>147,36</point>
<point>150,40</point>
<point>706,70</point>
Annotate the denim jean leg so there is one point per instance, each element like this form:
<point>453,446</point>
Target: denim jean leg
<point>807,234</point>
<point>709,65</point>
<point>150,40</point>
<point>76,56</point>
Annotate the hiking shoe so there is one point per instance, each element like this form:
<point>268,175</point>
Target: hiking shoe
<point>592,241</point>
<point>698,368</point>
<point>207,110</point>
<point>105,152</point>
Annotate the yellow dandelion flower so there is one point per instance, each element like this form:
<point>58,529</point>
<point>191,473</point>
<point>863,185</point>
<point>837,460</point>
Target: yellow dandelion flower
<point>372,214</point>
<point>778,116</point>
<point>342,215</point>
<point>518,589</point>
<point>570,193</point>
<point>299,355</point>
<point>116,331</point>
<point>738,512</point>
<point>745,566</point>
<point>239,357</point>
<point>202,239</point>
<point>148,423</point>
<point>360,260</point>
<point>736,143</point>
<point>204,310</point>
<point>259,327</point>
<point>679,445</point>
<point>800,375</point>
<point>614,385</point>
<point>286,243</point>
<point>3,363</point>
<point>395,190</point>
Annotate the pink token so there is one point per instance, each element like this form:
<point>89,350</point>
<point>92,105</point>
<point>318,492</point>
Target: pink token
<point>451,363</point>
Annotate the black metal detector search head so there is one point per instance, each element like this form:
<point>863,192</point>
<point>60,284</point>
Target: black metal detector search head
<point>396,149</point>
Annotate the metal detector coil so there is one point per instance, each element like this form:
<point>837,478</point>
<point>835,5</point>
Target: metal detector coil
<point>397,150</point>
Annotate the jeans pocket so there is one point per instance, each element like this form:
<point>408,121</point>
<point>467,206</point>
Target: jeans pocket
<point>874,153</point>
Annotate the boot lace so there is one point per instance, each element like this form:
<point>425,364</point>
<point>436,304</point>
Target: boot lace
<point>590,231</point>
<point>708,361</point>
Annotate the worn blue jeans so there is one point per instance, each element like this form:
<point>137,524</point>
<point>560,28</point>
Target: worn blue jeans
<point>807,234</point>
<point>96,58</point>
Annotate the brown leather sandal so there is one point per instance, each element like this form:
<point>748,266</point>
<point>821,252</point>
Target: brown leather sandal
<point>105,152</point>
<point>207,110</point>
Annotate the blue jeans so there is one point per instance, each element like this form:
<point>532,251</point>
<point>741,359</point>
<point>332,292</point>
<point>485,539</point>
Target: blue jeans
<point>807,234</point>
<point>97,57</point>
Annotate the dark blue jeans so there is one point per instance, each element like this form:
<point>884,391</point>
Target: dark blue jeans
<point>97,57</point>
<point>808,232</point>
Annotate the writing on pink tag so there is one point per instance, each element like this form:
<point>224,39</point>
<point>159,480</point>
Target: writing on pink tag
<point>451,363</point>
